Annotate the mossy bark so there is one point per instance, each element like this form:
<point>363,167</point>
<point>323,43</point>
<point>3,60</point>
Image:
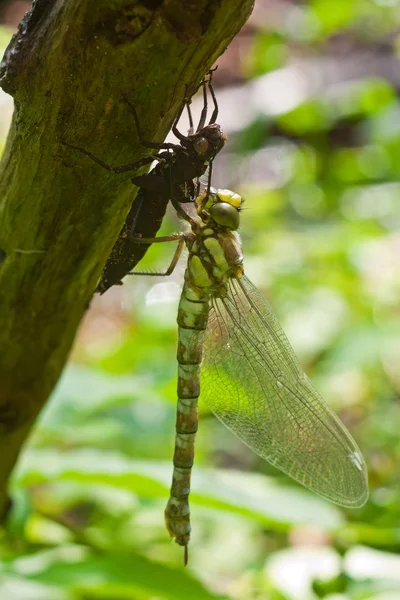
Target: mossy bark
<point>60,214</point>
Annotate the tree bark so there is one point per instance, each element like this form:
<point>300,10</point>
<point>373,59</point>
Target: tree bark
<point>67,68</point>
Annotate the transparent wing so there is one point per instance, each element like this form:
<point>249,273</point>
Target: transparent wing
<point>253,382</point>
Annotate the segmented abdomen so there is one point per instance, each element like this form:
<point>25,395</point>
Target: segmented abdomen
<point>192,320</point>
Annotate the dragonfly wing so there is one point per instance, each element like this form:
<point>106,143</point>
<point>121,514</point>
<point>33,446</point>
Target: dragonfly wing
<point>253,382</point>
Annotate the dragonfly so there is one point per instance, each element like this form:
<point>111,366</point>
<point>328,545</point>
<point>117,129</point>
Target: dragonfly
<point>230,341</point>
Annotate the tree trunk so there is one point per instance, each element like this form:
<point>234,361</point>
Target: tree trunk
<point>67,68</point>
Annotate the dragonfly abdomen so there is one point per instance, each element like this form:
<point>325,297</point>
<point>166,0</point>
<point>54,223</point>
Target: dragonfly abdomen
<point>192,321</point>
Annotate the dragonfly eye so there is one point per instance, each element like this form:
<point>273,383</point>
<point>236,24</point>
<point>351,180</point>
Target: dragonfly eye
<point>230,197</point>
<point>201,146</point>
<point>225,215</point>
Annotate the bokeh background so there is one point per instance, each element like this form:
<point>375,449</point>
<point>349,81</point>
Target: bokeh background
<point>308,95</point>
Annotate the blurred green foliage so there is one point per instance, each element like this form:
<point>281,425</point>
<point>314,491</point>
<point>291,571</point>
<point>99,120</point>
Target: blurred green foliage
<point>321,240</point>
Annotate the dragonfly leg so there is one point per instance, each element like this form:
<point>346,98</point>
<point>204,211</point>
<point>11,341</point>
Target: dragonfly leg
<point>210,169</point>
<point>178,252</point>
<point>175,129</point>
<point>216,109</point>
<point>159,240</point>
<point>182,213</point>
<point>187,103</point>
<point>190,117</point>
<point>117,169</point>
<point>147,143</point>
<point>203,114</point>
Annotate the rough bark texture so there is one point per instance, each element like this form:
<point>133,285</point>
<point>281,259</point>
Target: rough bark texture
<point>60,214</point>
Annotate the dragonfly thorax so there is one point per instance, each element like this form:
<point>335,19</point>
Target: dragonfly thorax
<point>215,251</point>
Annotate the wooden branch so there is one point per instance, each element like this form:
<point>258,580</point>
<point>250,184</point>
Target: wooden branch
<point>60,214</point>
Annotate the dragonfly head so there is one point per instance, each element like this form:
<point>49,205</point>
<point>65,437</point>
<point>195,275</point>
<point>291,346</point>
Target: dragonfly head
<point>221,206</point>
<point>207,142</point>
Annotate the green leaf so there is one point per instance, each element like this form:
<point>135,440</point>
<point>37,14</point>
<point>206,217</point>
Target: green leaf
<point>255,496</point>
<point>117,576</point>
